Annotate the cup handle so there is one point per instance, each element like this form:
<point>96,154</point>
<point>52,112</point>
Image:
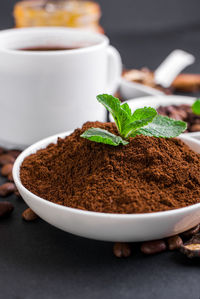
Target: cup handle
<point>114,70</point>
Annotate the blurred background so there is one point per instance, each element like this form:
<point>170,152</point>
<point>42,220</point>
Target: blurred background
<point>144,31</point>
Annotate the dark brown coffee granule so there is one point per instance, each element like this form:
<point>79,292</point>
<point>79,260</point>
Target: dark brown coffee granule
<point>148,175</point>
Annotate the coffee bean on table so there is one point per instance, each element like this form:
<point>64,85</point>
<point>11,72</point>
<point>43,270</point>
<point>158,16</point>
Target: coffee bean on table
<point>122,249</point>
<point>10,177</point>
<point>7,189</point>
<point>6,158</point>
<point>6,169</point>
<point>17,193</point>
<point>192,247</point>
<point>152,247</point>
<point>191,232</point>
<point>174,242</point>
<point>6,209</point>
<point>14,153</point>
<point>29,215</point>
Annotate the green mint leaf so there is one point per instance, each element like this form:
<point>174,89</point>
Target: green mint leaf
<point>162,126</point>
<point>103,136</point>
<point>120,113</point>
<point>147,113</point>
<point>196,107</point>
<point>112,104</point>
<point>126,108</point>
<point>140,118</point>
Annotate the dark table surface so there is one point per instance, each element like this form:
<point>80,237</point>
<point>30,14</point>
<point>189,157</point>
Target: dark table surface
<point>40,261</point>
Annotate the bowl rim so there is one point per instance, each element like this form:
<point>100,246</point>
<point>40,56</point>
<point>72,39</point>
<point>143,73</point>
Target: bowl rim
<point>53,139</point>
<point>162,97</point>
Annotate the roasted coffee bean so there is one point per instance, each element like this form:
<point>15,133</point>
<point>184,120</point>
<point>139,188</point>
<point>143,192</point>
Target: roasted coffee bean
<point>170,109</point>
<point>14,153</point>
<point>187,83</point>
<point>161,110</point>
<point>10,177</point>
<point>176,116</point>
<point>179,115</point>
<point>152,247</point>
<point>192,247</point>
<point>6,169</point>
<point>1,150</point>
<point>182,114</point>
<point>195,128</point>
<point>174,242</point>
<point>122,249</point>
<point>6,158</point>
<point>5,209</point>
<point>7,189</point>
<point>191,232</point>
<point>17,193</point>
<point>185,107</point>
<point>29,215</point>
<point>197,121</point>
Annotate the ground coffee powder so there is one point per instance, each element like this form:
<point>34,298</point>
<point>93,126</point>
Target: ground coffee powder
<point>149,174</point>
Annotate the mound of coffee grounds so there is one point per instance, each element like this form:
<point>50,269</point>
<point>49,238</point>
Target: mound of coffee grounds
<point>148,175</point>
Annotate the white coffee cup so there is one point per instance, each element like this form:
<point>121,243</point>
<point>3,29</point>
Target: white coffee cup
<point>46,92</point>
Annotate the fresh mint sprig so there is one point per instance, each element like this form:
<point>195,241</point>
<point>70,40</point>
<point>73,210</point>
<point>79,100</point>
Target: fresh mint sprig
<point>196,107</point>
<point>125,121</point>
<point>143,121</point>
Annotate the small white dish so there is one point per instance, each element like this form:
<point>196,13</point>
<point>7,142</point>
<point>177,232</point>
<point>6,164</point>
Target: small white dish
<point>108,227</point>
<point>129,90</point>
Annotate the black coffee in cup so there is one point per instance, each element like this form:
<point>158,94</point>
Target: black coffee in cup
<point>53,48</point>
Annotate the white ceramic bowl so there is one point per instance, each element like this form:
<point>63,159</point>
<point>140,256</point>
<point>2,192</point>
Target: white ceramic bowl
<point>195,135</point>
<point>108,227</point>
<point>129,90</point>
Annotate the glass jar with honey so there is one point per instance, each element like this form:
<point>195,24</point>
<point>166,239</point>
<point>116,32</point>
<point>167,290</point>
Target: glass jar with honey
<point>65,13</point>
